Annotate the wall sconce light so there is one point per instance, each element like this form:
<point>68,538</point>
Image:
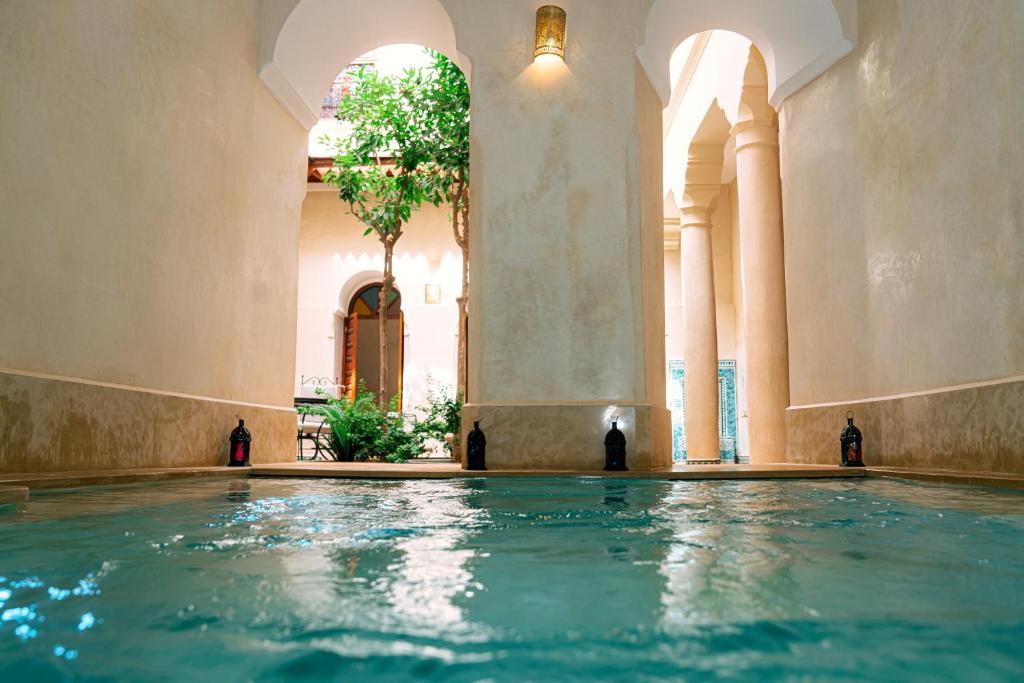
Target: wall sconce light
<point>432,294</point>
<point>550,38</point>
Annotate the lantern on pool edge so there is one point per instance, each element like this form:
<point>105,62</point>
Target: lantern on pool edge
<point>850,441</point>
<point>240,441</point>
<point>615,449</point>
<point>476,448</point>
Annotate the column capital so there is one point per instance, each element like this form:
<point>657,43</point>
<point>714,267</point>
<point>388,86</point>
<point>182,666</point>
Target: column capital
<point>695,217</point>
<point>756,132</point>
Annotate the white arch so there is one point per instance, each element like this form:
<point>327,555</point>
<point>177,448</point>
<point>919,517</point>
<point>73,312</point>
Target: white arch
<point>798,38</point>
<point>354,284</point>
<point>305,43</point>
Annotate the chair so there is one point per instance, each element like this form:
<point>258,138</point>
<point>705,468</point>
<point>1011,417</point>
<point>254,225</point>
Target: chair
<point>311,428</point>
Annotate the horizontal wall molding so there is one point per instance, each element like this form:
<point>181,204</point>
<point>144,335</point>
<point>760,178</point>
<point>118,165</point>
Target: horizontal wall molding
<point>911,394</point>
<point>145,390</point>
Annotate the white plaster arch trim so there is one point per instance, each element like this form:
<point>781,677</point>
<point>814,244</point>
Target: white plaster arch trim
<point>305,43</point>
<point>798,38</point>
<point>354,284</point>
<point>357,282</point>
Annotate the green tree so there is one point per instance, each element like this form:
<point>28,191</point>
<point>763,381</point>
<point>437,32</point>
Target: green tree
<point>380,168</point>
<point>446,99</point>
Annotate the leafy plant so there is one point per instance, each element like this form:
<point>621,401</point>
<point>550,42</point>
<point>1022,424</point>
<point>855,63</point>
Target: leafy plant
<point>443,416</point>
<point>445,96</point>
<point>360,430</point>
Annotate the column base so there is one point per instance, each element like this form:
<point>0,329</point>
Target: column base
<point>569,436</point>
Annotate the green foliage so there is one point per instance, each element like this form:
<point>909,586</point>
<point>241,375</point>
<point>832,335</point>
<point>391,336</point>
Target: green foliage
<point>360,430</point>
<point>379,167</point>
<point>409,143</point>
<point>445,98</point>
<point>443,416</point>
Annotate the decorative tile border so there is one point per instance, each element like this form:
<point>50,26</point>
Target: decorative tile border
<point>726,409</point>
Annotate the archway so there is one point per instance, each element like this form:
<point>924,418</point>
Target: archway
<point>305,43</point>
<point>358,348</point>
<point>722,171</point>
<point>798,38</point>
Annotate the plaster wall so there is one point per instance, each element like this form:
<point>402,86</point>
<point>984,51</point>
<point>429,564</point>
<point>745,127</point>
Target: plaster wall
<point>904,228</point>
<point>903,207</point>
<point>557,299</point>
<point>333,253</point>
<point>150,197</point>
<point>557,302</point>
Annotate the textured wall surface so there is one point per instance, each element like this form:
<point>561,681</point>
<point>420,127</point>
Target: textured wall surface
<point>149,234</point>
<point>49,425</point>
<point>971,428</point>
<point>569,436</point>
<point>903,209</point>
<point>150,200</point>
<point>556,307</point>
<point>904,227</point>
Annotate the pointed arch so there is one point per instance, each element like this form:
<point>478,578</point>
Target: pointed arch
<point>798,38</point>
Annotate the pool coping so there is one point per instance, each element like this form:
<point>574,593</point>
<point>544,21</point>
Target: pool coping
<point>15,487</point>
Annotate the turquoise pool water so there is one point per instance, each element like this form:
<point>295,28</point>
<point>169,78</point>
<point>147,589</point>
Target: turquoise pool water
<point>513,579</point>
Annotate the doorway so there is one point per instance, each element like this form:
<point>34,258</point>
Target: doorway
<point>360,343</point>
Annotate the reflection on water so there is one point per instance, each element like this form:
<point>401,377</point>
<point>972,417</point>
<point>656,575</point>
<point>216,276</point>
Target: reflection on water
<point>512,579</point>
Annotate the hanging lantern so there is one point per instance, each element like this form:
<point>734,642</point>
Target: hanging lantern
<point>615,449</point>
<point>476,447</point>
<point>850,441</point>
<point>240,441</point>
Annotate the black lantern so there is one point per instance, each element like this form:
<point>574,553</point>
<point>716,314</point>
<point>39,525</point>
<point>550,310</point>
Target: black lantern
<point>850,444</point>
<point>476,447</point>
<point>240,441</point>
<point>615,449</point>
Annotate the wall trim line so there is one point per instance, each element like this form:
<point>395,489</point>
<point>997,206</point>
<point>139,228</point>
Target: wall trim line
<point>143,390</point>
<point>913,394</point>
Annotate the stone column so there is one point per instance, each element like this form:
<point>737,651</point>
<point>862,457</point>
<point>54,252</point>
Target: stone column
<point>702,185</point>
<point>763,266</point>
<point>700,336</point>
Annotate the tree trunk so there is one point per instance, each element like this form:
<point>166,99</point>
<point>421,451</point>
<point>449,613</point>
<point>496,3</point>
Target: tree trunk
<point>382,317</point>
<point>463,302</point>
<point>460,213</point>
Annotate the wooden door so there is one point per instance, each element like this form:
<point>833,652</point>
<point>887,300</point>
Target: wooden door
<point>401,356</point>
<point>348,372</point>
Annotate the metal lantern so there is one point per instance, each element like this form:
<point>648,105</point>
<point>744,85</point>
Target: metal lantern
<point>240,442</point>
<point>476,447</point>
<point>549,36</point>
<point>615,449</point>
<point>850,441</point>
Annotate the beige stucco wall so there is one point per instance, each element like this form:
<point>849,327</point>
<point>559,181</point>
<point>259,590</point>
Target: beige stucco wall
<point>335,259</point>
<point>556,305</point>
<point>904,224</point>
<point>149,229</point>
<point>150,204</point>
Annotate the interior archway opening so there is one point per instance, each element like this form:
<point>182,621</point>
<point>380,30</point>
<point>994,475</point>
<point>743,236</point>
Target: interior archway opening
<point>343,260</point>
<point>718,91</point>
